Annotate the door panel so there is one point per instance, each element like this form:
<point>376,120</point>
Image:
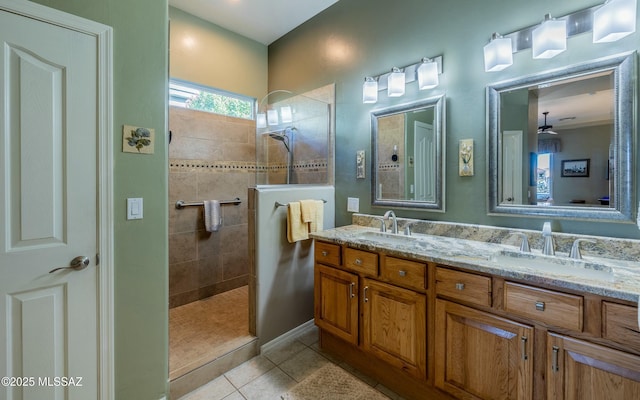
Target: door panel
<point>48,208</point>
<point>425,161</point>
<point>482,356</point>
<point>579,370</point>
<point>394,326</point>
<point>512,167</point>
<point>35,156</point>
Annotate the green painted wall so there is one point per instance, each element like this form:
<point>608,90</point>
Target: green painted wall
<point>356,38</point>
<point>207,54</point>
<point>140,79</point>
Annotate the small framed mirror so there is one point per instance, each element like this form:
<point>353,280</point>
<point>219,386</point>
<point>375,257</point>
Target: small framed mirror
<point>561,143</point>
<point>408,155</point>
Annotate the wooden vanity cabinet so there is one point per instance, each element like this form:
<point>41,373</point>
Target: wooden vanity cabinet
<point>392,319</point>
<point>434,331</point>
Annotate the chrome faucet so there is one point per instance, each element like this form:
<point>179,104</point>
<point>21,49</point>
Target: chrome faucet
<point>391,214</point>
<point>407,228</point>
<point>383,225</point>
<point>524,245</point>
<point>548,249</point>
<point>575,249</point>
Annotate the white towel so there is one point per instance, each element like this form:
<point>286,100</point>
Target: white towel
<point>212,215</point>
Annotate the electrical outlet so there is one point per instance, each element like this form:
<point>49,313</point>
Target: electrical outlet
<point>353,204</point>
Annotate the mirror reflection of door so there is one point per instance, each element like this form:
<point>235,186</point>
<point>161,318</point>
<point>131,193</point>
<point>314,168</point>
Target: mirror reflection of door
<point>544,179</point>
<point>425,161</point>
<point>512,167</point>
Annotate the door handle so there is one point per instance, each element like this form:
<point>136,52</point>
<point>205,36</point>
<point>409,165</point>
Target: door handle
<point>77,264</point>
<point>365,298</point>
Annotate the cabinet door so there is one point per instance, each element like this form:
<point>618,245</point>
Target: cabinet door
<point>336,302</point>
<point>482,356</point>
<point>580,370</point>
<point>394,326</point>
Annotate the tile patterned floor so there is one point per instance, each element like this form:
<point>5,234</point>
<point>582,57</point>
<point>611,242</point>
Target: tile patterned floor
<point>276,371</point>
<point>204,330</point>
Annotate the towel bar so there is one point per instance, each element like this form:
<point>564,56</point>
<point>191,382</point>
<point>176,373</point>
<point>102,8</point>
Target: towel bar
<point>180,204</point>
<point>278,204</point>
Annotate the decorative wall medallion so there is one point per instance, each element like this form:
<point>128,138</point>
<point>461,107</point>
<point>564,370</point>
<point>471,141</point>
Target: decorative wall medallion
<point>138,139</point>
<point>466,157</point>
<point>360,160</point>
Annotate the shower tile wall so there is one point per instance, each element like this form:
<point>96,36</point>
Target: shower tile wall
<point>210,157</point>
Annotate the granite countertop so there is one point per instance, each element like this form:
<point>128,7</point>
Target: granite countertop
<point>613,278</point>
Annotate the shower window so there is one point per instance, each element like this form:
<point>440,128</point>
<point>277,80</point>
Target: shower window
<point>203,98</point>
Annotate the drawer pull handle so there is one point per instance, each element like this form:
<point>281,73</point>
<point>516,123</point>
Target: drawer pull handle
<point>364,291</point>
<point>554,359</point>
<point>325,253</point>
<point>540,305</point>
<point>523,340</point>
<point>402,273</point>
<point>460,286</point>
<point>358,261</point>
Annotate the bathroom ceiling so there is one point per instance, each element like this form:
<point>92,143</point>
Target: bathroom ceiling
<point>261,20</point>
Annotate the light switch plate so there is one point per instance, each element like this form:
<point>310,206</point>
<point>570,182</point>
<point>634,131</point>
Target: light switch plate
<point>134,208</point>
<point>353,204</point>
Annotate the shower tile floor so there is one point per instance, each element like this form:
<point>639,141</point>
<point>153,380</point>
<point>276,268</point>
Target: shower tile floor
<point>206,329</point>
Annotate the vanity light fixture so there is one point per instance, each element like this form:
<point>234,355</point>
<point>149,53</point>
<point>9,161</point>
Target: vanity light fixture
<point>614,20</point>
<point>498,53</point>
<point>550,38</point>
<point>610,21</point>
<point>425,71</point>
<point>369,90</point>
<point>395,83</point>
<point>427,74</point>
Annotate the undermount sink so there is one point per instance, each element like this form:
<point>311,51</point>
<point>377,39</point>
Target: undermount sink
<point>392,239</point>
<point>383,236</point>
<point>554,264</point>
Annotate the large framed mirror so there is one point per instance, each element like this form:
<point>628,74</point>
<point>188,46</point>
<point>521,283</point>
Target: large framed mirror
<point>408,155</point>
<point>561,143</point>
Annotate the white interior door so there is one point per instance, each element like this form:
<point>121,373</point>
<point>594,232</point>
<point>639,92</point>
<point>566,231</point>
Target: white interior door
<point>512,167</point>
<point>50,326</point>
<point>425,162</point>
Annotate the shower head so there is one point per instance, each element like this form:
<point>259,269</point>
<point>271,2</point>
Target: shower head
<point>281,136</point>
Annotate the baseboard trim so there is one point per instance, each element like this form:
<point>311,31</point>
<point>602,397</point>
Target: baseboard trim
<point>286,336</point>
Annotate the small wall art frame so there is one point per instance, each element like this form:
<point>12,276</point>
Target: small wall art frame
<point>465,147</point>
<point>575,168</point>
<point>136,139</point>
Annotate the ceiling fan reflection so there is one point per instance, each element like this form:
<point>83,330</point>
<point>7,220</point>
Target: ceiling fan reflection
<point>546,128</point>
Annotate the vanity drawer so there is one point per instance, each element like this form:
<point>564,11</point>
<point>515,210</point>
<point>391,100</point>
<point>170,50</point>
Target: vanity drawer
<point>405,273</point>
<point>463,286</point>
<point>361,261</point>
<point>327,253</point>
<point>546,306</point>
<point>620,324</point>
